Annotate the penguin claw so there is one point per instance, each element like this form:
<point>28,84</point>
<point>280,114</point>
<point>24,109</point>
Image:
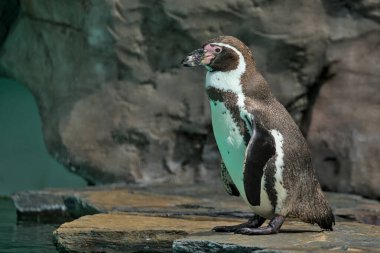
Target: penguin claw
<point>243,231</point>
<point>272,228</point>
<point>253,222</point>
<point>256,231</point>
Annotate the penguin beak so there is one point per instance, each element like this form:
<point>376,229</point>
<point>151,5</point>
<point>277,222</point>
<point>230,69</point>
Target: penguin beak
<point>195,58</point>
<point>199,57</point>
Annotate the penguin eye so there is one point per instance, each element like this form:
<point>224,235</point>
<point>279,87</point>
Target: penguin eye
<point>218,50</point>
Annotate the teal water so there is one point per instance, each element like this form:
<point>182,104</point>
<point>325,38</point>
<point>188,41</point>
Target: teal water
<point>25,163</point>
<point>23,237</point>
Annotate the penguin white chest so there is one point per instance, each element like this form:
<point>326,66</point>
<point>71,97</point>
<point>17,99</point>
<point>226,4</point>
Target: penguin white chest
<point>232,148</point>
<point>230,142</point>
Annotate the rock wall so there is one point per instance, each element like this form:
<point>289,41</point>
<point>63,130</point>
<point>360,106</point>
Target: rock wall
<point>117,106</point>
<point>344,132</point>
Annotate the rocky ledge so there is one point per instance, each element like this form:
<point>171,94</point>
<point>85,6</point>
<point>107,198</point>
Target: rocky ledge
<point>122,232</point>
<point>179,219</point>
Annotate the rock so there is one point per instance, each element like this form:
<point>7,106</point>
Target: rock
<point>293,237</point>
<point>139,218</point>
<point>166,200</point>
<point>344,132</point>
<point>160,201</point>
<point>354,207</point>
<point>41,206</point>
<point>120,232</point>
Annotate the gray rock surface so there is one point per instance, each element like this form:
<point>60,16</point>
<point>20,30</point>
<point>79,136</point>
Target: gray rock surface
<point>116,106</point>
<point>148,219</point>
<point>295,237</point>
<point>41,206</point>
<point>344,132</point>
<point>166,200</point>
<point>134,219</point>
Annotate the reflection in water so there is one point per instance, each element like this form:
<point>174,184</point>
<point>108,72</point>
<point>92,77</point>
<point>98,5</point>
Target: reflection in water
<point>23,237</point>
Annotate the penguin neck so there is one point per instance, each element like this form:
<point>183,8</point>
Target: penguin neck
<point>229,81</point>
<point>254,85</point>
<point>227,87</point>
<point>245,81</point>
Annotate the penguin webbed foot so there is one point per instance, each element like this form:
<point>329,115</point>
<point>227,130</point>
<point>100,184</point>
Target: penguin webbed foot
<point>254,222</point>
<point>272,228</point>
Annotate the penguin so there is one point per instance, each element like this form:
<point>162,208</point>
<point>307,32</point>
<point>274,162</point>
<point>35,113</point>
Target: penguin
<point>265,158</point>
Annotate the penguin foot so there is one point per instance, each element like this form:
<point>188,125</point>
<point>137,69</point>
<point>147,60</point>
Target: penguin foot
<point>272,228</point>
<point>254,222</point>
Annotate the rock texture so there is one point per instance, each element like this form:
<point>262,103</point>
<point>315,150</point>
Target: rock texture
<point>120,232</point>
<point>294,237</point>
<point>149,220</point>
<point>41,206</point>
<point>344,132</point>
<point>166,200</point>
<point>116,106</point>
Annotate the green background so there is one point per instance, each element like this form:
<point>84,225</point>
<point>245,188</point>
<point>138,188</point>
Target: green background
<point>24,161</point>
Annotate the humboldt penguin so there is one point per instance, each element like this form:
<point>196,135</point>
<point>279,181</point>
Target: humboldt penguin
<point>265,158</point>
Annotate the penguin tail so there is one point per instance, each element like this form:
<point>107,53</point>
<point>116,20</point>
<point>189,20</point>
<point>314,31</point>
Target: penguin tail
<point>315,209</point>
<point>327,221</point>
<point>322,213</point>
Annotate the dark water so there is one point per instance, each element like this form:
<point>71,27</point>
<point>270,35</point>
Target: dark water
<point>23,237</point>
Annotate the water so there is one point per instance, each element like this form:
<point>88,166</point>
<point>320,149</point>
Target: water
<point>25,163</point>
<point>23,237</point>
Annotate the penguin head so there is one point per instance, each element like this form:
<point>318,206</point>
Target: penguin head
<point>219,54</point>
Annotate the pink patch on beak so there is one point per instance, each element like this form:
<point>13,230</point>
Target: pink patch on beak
<point>212,48</point>
<point>210,52</point>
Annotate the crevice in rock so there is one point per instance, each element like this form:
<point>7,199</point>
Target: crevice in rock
<point>47,54</point>
<point>132,137</point>
<point>335,163</point>
<point>310,96</point>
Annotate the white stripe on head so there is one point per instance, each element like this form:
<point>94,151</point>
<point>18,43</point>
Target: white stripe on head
<point>231,81</point>
<point>279,163</point>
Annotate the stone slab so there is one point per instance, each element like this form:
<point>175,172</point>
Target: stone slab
<point>122,232</point>
<point>168,200</point>
<point>293,237</point>
<point>41,206</point>
<point>158,200</point>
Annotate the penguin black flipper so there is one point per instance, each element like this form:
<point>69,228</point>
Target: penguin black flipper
<point>260,149</point>
<point>230,187</point>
